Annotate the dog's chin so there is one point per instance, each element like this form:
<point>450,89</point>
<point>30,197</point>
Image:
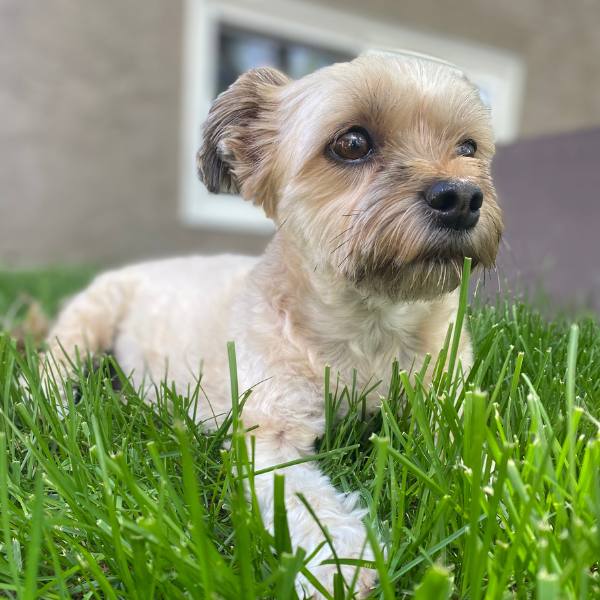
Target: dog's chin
<point>422,279</point>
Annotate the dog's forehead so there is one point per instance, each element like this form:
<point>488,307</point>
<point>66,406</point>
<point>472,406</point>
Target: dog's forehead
<point>394,90</point>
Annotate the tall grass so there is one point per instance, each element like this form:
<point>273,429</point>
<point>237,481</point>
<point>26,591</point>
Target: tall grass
<point>487,487</point>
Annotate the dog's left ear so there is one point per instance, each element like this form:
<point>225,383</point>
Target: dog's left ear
<point>238,138</point>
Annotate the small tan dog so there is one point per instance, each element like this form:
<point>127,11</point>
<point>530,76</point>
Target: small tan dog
<point>377,174</point>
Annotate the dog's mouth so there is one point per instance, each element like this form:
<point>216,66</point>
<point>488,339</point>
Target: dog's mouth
<point>453,260</point>
<point>417,261</point>
<point>424,278</point>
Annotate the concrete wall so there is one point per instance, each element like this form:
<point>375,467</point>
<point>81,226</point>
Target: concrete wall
<point>90,108</point>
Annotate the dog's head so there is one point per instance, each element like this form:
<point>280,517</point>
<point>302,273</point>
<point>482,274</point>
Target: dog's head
<point>379,168</point>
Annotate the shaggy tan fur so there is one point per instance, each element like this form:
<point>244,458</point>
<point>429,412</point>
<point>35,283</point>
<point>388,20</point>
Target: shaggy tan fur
<point>358,274</point>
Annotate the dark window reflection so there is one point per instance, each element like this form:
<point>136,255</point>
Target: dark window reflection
<point>240,50</point>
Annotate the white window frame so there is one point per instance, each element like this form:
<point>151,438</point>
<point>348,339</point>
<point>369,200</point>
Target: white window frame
<point>500,71</point>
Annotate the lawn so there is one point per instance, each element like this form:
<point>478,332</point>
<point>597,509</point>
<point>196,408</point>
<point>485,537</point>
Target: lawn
<point>485,490</point>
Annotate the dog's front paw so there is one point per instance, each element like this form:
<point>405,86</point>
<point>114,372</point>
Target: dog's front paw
<point>366,580</point>
<point>348,537</point>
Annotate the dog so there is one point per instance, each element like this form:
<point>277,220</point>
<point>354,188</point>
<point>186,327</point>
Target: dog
<point>376,173</point>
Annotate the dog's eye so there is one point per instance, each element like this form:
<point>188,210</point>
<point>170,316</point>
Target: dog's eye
<point>352,146</point>
<point>467,148</point>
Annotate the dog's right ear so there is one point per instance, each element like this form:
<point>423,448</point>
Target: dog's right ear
<point>238,134</point>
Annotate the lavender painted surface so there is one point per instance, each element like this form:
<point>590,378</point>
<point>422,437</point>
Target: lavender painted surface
<point>550,191</point>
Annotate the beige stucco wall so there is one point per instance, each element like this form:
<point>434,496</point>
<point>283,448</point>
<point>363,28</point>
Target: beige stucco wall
<point>89,126</point>
<point>90,112</point>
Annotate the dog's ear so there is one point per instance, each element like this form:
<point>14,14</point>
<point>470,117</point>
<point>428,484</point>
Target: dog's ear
<point>238,137</point>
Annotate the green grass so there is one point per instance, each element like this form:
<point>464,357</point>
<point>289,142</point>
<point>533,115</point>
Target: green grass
<point>484,490</point>
<point>48,287</point>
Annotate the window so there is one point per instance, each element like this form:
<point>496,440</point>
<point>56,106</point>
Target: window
<point>224,38</point>
<point>241,49</point>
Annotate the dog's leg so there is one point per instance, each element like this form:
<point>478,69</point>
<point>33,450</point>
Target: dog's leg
<point>338,513</point>
<point>88,323</point>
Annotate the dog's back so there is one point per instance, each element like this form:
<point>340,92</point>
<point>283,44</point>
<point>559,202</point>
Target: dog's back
<point>170,316</point>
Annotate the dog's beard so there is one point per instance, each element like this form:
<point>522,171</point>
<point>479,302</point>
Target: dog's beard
<point>407,257</point>
<point>425,279</point>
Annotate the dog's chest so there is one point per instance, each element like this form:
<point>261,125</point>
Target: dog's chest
<point>371,342</point>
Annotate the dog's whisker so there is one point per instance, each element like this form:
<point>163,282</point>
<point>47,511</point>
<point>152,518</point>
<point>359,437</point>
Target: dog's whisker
<point>348,239</point>
<point>344,259</point>
<point>335,237</point>
<point>282,224</point>
<point>341,245</point>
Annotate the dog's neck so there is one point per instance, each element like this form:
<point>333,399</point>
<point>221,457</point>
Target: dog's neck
<point>323,314</point>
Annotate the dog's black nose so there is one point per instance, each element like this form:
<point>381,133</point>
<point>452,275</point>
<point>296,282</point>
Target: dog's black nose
<point>456,203</point>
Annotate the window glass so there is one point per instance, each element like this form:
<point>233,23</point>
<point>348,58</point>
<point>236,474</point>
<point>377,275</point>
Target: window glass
<point>240,50</point>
